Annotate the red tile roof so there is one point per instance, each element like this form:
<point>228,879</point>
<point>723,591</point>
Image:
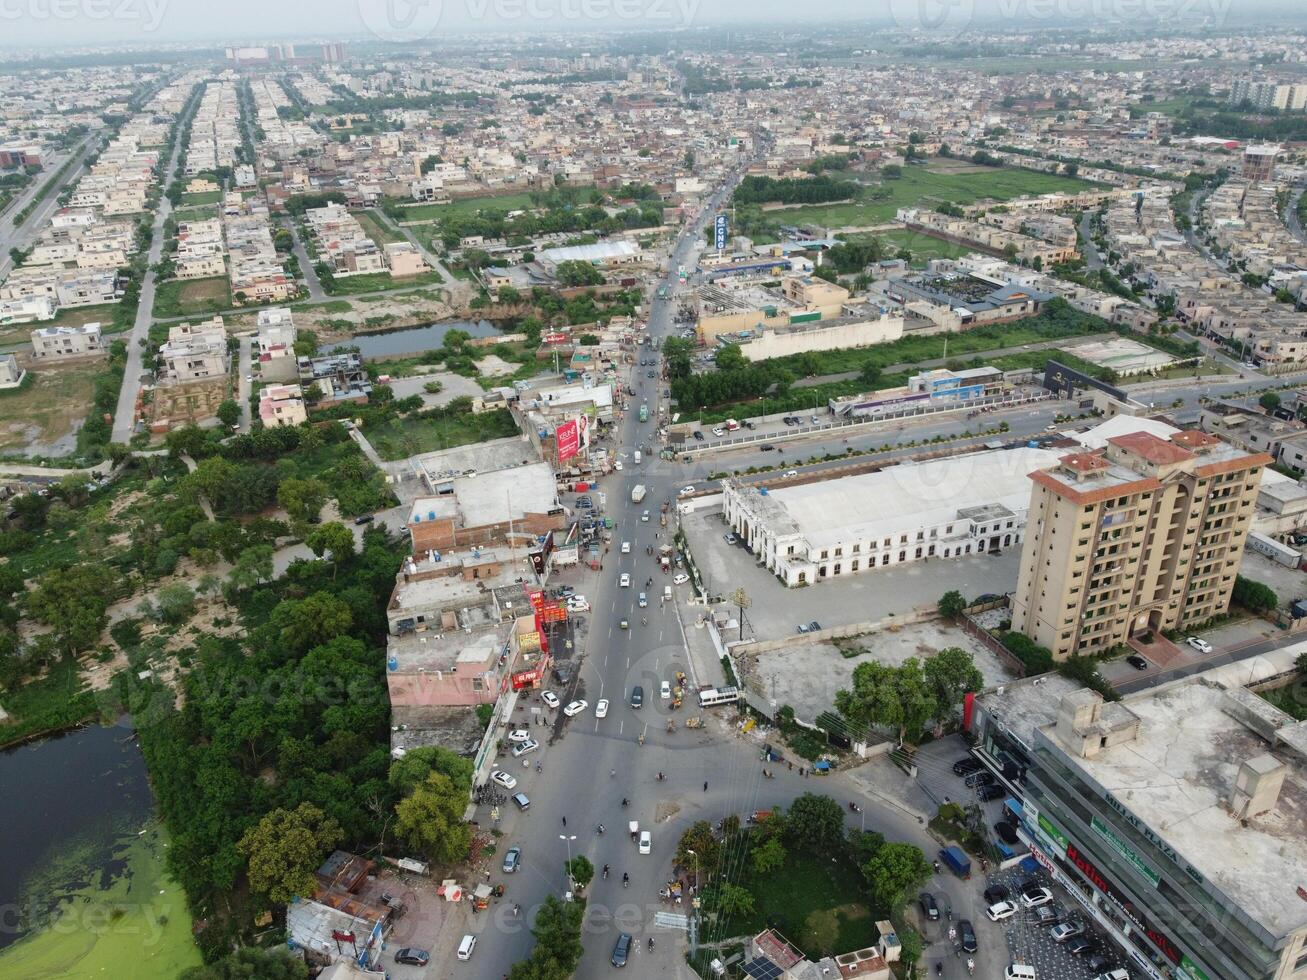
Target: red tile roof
<point>1150,447</point>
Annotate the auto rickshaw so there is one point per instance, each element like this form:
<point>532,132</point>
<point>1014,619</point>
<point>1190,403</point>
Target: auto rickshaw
<point>625,625</point>
<point>634,827</point>
<point>694,722</point>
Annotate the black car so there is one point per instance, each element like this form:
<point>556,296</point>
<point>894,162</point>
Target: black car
<point>1006,832</point>
<point>929,908</point>
<point>412,956</point>
<point>563,673</point>
<point>990,791</point>
<point>1078,946</point>
<point>1098,963</point>
<point>967,935</point>
<point>996,893</point>
<point>982,778</point>
<point>965,767</point>
<point>1137,662</point>
<point>766,447</point>
<point>698,435</point>
<point>363,519</point>
<point>622,949</point>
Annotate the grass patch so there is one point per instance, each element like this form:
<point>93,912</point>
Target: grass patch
<point>376,229</point>
<point>102,313</point>
<point>192,296</point>
<point>1287,699</point>
<point>403,437</point>
<point>194,214</point>
<point>53,402</point>
<point>377,282</point>
<point>467,207</point>
<point>207,197</point>
<point>808,900</point>
<point>919,186</point>
<point>54,700</point>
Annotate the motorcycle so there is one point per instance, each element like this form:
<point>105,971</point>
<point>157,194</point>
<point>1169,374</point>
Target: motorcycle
<point>626,880</point>
<point>651,944</point>
<point>599,830</point>
<point>605,872</point>
<point>971,966</point>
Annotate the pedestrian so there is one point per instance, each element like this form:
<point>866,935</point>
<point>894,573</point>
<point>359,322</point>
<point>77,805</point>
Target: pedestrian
<point>564,821</point>
<point>791,765</point>
<point>705,785</point>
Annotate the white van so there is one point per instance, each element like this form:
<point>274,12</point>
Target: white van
<point>465,947</point>
<point>637,457</point>
<point>667,593</point>
<point>1019,971</point>
<point>626,547</point>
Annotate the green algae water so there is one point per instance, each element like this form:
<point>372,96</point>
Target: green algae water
<point>84,892</point>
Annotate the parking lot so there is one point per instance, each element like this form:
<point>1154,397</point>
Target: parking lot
<point>776,611</point>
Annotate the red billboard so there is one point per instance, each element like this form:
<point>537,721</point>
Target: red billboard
<point>554,338</point>
<point>536,598</point>
<point>568,439</point>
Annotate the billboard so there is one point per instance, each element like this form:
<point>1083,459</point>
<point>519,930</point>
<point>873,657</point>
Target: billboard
<point>721,226</point>
<point>554,338</point>
<point>568,440</point>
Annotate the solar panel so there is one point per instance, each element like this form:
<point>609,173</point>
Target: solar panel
<point>762,969</point>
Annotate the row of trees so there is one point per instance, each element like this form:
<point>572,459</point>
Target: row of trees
<point>910,696</point>
<point>812,190</point>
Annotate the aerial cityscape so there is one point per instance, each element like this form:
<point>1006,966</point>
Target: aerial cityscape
<point>533,489</point>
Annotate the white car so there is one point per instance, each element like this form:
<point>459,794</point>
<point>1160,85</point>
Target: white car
<point>601,708</point>
<point>575,708</point>
<point>719,432</point>
<point>685,490</point>
<point>645,517</point>
<point>665,691</point>
<point>646,842</point>
<point>644,600</point>
<point>549,698</point>
<point>626,547</point>
<point>790,473</point>
<point>503,779</point>
<point>519,735</point>
<point>1000,911</point>
<point>1199,644</point>
<point>1032,898</point>
<point>624,581</point>
<point>578,603</point>
<point>466,946</point>
<point>530,745</point>
<point>617,465</point>
<point>680,578</point>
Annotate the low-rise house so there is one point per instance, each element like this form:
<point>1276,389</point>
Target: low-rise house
<point>281,405</point>
<point>62,343</point>
<point>195,352</point>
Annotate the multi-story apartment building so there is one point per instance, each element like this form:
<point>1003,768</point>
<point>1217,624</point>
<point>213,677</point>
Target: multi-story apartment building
<point>54,343</point>
<point>194,352</point>
<point>1145,535</point>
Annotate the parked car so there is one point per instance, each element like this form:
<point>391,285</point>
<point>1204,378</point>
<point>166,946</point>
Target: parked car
<point>929,907</point>
<point>519,735</point>
<point>601,708</point>
<point>465,947</point>
<point>412,956</point>
<point>687,490</point>
<point>996,893</point>
<point>1033,896</point>
<point>990,791</point>
<point>521,802</point>
<point>504,779</point>
<point>364,519</point>
<point>965,767</point>
<point>622,949</point>
<point>511,859</point>
<point>665,691</point>
<point>1079,946</point>
<point>718,431</point>
<point>1100,962</point>
<point>1137,662</point>
<point>1000,911</point>
<point>814,626</point>
<point>680,578</point>
<point>698,435</point>
<point>575,708</point>
<point>789,473</point>
<point>530,745</point>
<point>563,674</point>
<point>549,698</point>
<point>729,538</point>
<point>1006,832</point>
<point>1066,930</point>
<point>967,935</point>
<point>1199,644</point>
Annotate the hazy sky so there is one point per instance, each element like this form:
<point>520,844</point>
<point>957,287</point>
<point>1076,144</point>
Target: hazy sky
<point>49,23</point>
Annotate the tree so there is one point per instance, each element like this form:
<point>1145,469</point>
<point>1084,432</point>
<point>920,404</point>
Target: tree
<point>1270,401</point>
<point>285,848</point>
<point>430,820</point>
<point>301,499</point>
<point>1010,252</point>
<point>334,539</point>
<point>252,567</point>
<point>175,603</point>
<point>408,773</point>
<point>580,870</point>
<point>729,358</point>
<point>700,839</point>
<point>732,900</point>
<point>895,870</point>
<point>229,413</point>
<point>910,946</point>
<point>252,963</point>
<point>950,674</point>
<point>894,697</point>
<point>1253,596</point>
<point>305,623</point>
<point>951,604</point>
<point>815,822</point>
<point>73,600</point>
<point>557,933</point>
<point>768,857</point>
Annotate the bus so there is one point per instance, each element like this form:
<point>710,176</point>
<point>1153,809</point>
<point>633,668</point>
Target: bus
<point>718,695</point>
<point>663,292</point>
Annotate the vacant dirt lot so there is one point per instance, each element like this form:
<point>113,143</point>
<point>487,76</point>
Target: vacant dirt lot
<point>42,418</point>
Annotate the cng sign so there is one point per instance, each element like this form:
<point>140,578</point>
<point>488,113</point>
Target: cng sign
<point>721,226</point>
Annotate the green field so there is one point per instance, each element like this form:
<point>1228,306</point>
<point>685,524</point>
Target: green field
<point>467,207</point>
<point>921,187</point>
<point>189,297</point>
<point>199,213</point>
<point>403,437</point>
<point>376,228</point>
<point>194,200</point>
<point>377,282</point>
<point>922,246</point>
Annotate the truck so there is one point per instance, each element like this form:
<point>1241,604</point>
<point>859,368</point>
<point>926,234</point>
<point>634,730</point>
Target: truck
<point>637,493</point>
<point>644,413</point>
<point>732,425</point>
<point>1273,549</point>
<point>956,859</point>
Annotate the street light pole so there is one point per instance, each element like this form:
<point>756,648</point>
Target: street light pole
<point>571,884</point>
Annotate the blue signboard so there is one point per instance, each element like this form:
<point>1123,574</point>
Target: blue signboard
<point>721,229</point>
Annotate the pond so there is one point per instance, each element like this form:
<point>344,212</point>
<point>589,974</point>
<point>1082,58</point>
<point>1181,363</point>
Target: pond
<point>411,340</point>
<point>84,892</point>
